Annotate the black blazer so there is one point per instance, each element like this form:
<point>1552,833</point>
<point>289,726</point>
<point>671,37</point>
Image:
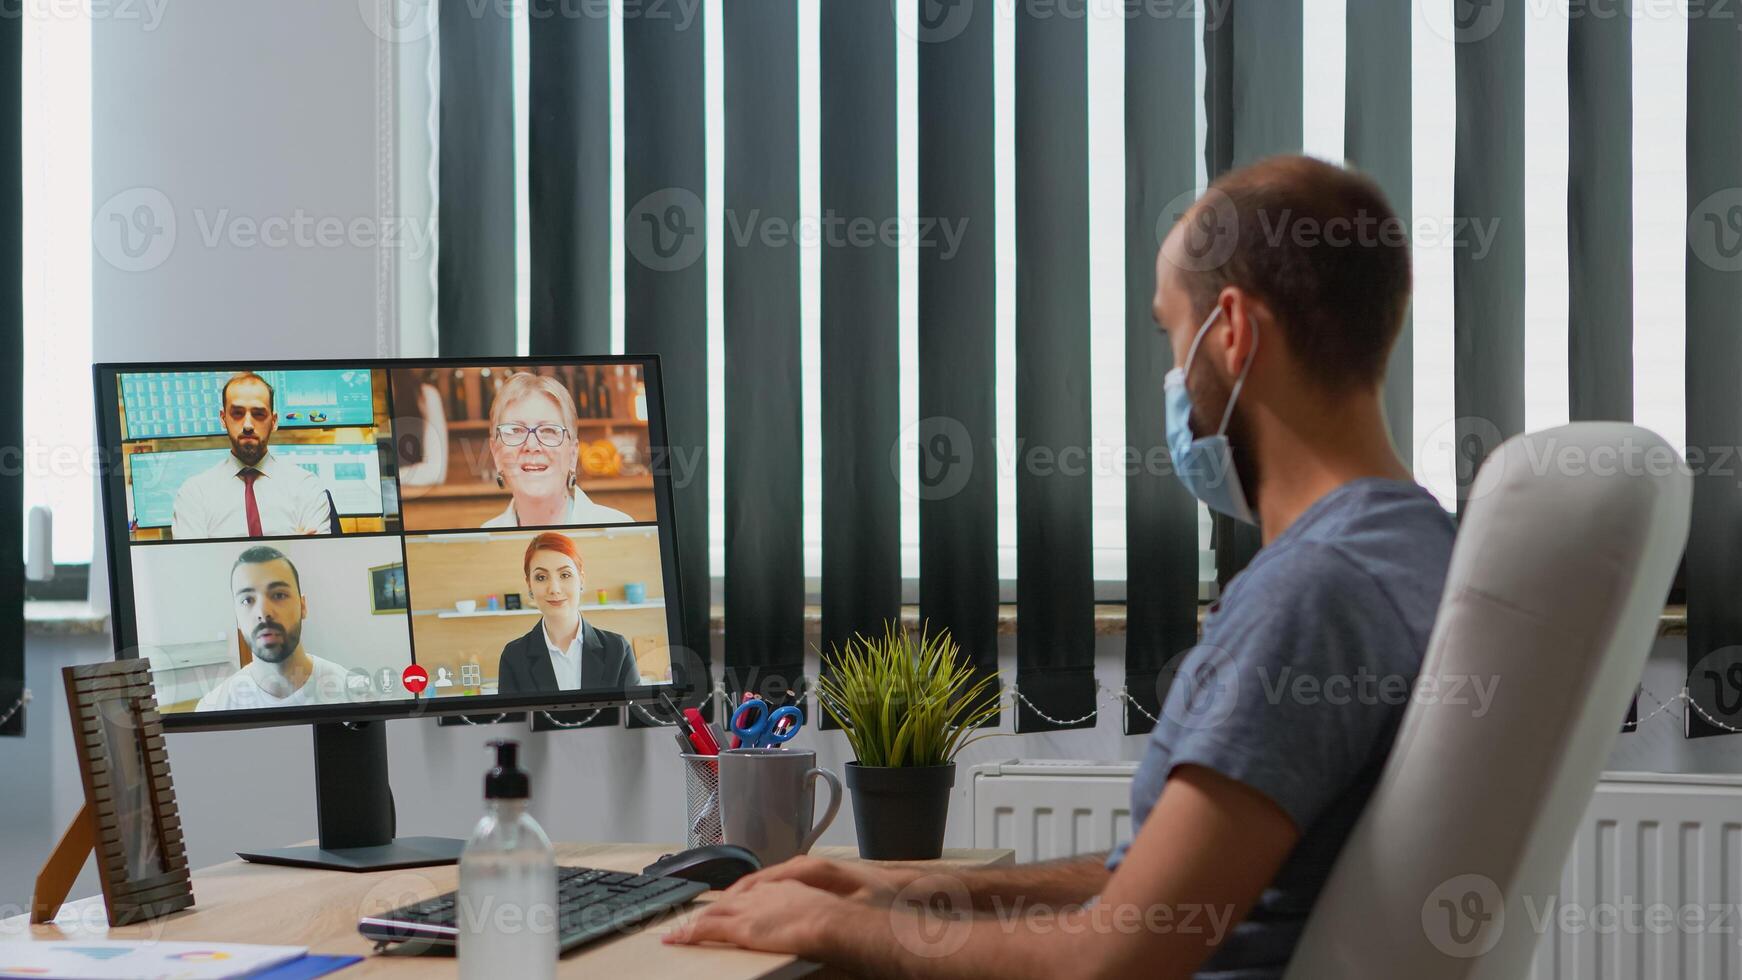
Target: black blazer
<point>607,662</point>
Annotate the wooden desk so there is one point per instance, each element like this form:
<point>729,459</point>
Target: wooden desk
<point>259,903</point>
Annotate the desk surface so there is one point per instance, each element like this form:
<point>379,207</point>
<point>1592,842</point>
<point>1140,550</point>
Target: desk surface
<point>258,903</point>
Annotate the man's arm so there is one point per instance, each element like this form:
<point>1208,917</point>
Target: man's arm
<point>1066,881</point>
<point>1204,855</point>
<point>188,522</point>
<point>317,510</point>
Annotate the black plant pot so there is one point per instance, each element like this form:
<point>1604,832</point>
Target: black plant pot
<point>900,811</point>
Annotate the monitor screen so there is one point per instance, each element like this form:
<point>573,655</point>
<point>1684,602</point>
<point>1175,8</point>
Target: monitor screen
<point>325,541</point>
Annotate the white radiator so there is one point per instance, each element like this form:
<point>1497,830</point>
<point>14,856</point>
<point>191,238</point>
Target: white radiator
<point>1052,808</point>
<point>1651,891</point>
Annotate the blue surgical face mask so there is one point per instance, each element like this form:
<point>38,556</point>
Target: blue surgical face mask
<point>1206,465</point>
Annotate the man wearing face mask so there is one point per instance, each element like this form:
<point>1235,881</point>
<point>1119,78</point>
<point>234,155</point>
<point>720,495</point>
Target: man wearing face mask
<point>1281,294</point>
<point>252,493</point>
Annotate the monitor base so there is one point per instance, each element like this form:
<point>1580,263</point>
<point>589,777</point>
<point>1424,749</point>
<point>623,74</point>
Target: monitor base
<point>402,852</point>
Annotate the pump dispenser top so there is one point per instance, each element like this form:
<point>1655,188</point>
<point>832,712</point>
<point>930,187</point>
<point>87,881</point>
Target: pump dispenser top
<point>507,781</point>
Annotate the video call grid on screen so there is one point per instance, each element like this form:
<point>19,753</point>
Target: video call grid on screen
<point>397,536</point>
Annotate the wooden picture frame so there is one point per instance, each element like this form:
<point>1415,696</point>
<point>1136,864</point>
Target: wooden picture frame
<point>130,817</point>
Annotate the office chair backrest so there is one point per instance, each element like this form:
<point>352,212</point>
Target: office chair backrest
<point>1563,559</point>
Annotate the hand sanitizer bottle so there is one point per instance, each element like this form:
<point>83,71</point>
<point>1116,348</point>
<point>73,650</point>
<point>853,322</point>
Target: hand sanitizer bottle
<point>507,910</point>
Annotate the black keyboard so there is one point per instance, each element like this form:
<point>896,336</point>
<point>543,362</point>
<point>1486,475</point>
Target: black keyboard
<point>591,904</point>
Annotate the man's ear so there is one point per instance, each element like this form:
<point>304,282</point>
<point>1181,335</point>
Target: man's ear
<point>302,603</point>
<point>1246,316</point>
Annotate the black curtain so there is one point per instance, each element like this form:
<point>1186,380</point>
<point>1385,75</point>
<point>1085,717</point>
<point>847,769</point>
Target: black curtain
<point>11,367</point>
<point>1600,217</point>
<point>1714,354</point>
<point>764,378</point>
<point>1377,122</point>
<point>1488,286</point>
<point>860,325</point>
<point>665,281</point>
<point>1254,64</point>
<point>475,268</point>
<point>1055,638</point>
<point>569,179</point>
<point>1161,518</point>
<point>475,305</point>
<point>958,510</point>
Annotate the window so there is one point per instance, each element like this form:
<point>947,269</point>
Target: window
<point>1659,68</point>
<point>59,470</point>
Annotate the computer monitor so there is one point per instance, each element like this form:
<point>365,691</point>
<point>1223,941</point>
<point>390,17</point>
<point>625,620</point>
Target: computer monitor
<point>339,543</point>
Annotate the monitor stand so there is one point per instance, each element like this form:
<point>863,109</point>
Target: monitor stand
<point>355,807</point>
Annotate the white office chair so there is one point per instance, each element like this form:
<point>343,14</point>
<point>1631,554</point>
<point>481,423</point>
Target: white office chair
<point>1562,563</point>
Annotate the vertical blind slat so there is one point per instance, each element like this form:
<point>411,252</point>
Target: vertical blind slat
<point>958,511</point>
<point>12,364</point>
<point>665,277</point>
<point>1256,62</point>
<point>1377,123</point>
<point>569,179</point>
<point>861,357</point>
<point>1161,517</point>
<point>1055,641</point>
<point>764,448</point>
<point>1269,63</point>
<point>1714,358</point>
<point>1600,217</point>
<point>475,264</point>
<point>1488,287</point>
<point>475,304</point>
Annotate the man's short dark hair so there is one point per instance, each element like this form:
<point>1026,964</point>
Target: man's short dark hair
<point>1323,249</point>
<point>260,554</point>
<point>249,376</point>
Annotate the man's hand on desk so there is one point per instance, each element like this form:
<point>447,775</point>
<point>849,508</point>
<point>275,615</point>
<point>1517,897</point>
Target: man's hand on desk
<point>774,916</point>
<point>851,879</point>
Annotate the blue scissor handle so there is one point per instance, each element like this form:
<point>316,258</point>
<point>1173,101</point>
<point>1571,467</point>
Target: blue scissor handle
<point>759,727</point>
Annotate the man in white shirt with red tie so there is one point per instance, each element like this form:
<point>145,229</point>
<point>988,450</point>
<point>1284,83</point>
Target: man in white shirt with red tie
<point>252,493</point>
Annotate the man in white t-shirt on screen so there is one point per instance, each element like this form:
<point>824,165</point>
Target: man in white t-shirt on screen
<point>266,594</point>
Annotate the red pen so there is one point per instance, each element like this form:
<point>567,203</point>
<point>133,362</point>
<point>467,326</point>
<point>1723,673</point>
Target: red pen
<point>700,735</point>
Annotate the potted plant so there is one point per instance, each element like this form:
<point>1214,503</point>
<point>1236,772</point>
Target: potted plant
<point>907,707</point>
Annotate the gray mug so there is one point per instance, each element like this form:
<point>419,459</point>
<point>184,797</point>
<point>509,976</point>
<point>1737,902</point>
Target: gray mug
<point>767,799</point>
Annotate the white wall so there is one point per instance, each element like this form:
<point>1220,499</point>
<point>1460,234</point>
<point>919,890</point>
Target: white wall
<point>257,138</point>
<point>223,132</point>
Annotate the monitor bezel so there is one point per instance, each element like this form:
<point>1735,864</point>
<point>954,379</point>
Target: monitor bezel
<point>117,541</point>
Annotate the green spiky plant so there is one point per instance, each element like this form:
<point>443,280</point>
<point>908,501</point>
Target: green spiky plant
<point>905,702</point>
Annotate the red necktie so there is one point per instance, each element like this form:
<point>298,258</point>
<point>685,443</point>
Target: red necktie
<point>249,474</point>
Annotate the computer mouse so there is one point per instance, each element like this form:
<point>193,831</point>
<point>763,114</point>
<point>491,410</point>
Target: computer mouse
<point>717,865</point>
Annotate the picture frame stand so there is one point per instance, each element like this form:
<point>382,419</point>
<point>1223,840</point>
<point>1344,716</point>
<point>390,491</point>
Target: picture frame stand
<point>62,869</point>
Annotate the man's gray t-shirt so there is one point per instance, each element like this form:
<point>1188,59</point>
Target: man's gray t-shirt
<point>1298,685</point>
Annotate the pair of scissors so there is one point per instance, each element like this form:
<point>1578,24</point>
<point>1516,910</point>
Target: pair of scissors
<point>759,726</point>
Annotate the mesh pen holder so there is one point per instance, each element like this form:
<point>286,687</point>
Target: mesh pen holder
<point>701,800</point>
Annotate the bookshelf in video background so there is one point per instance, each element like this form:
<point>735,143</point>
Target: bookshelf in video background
<point>612,438</point>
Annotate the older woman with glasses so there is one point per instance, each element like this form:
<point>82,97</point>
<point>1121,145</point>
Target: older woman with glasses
<point>533,446</point>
